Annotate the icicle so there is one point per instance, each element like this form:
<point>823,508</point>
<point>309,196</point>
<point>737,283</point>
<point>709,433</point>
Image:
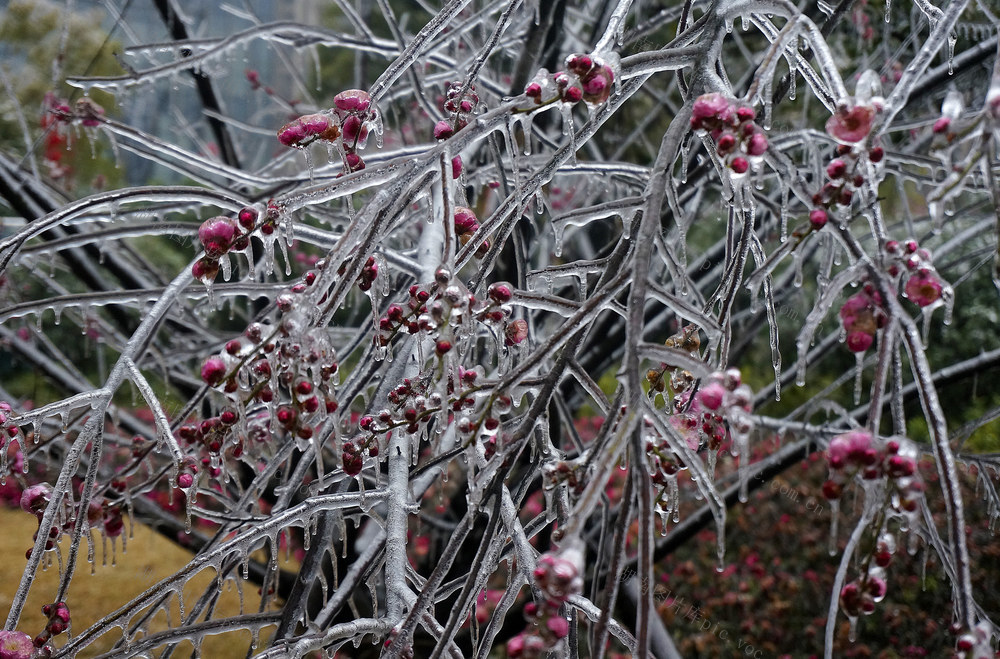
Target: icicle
<point>952,39</point>
<point>566,110</point>
<point>834,524</point>
<point>853,634</point>
<point>858,376</point>
<point>888,10</point>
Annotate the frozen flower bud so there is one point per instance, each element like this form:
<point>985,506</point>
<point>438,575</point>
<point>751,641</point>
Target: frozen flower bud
<point>923,289</point>
<point>516,332</point>
<point>744,113</point>
<point>533,90</point>
<point>352,100</point>
<point>213,370</point>
<point>456,166</point>
<point>579,64</point>
<point>500,292</point>
<point>443,130</point>
<point>558,625</point>
<point>836,169</point>
<point>739,165</point>
<point>465,220</point>
<point>725,143</point>
<point>757,144</point>
<point>248,218</point>
<point>355,131</point>
<point>859,341</point>
<point>216,235</point>
<point>708,109</point>
<point>354,162</point>
<point>292,133</point>
<point>850,125</point>
<point>572,95</point>
<point>711,395</point>
<point>597,84</point>
<point>35,499</point>
<point>817,219</point>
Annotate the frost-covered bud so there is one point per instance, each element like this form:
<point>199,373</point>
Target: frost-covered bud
<point>456,166</point>
<point>725,143</point>
<point>941,125</point>
<point>597,84</point>
<point>817,219</point>
<point>352,100</point>
<point>35,499</point>
<point>355,131</point>
<point>757,144</point>
<point>16,645</point>
<point>559,576</point>
<point>923,289</point>
<point>572,95</point>
<point>443,130</point>
<point>533,90</point>
<point>708,110</point>
<point>185,480</point>
<point>465,220</point>
<point>354,162</point>
<point>500,292</point>
<point>850,125</point>
<point>292,133</point>
<point>579,64</point>
<point>315,124</point>
<point>516,332</point>
<point>205,269</point>
<point>836,169</point>
<point>739,165</point>
<point>216,235</point>
<point>248,218</point>
<point>558,625</point>
<point>745,113</point>
<point>213,370</point>
<point>113,524</point>
<point>711,396</point>
<point>859,341</point>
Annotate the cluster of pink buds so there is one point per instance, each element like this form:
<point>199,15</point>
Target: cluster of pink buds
<point>368,273</point>
<point>844,180</point>
<point>858,453</point>
<point>466,225</point>
<point>35,499</point>
<point>721,404</point>
<point>738,139</point>
<point>284,367</point>
<point>587,78</point>
<point>923,286</point>
<point>221,235</point>
<point>87,112</point>
<point>558,576</point>
<point>58,615</point>
<point>461,106</point>
<point>16,645</point>
<point>862,316</point>
<point>345,125</point>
